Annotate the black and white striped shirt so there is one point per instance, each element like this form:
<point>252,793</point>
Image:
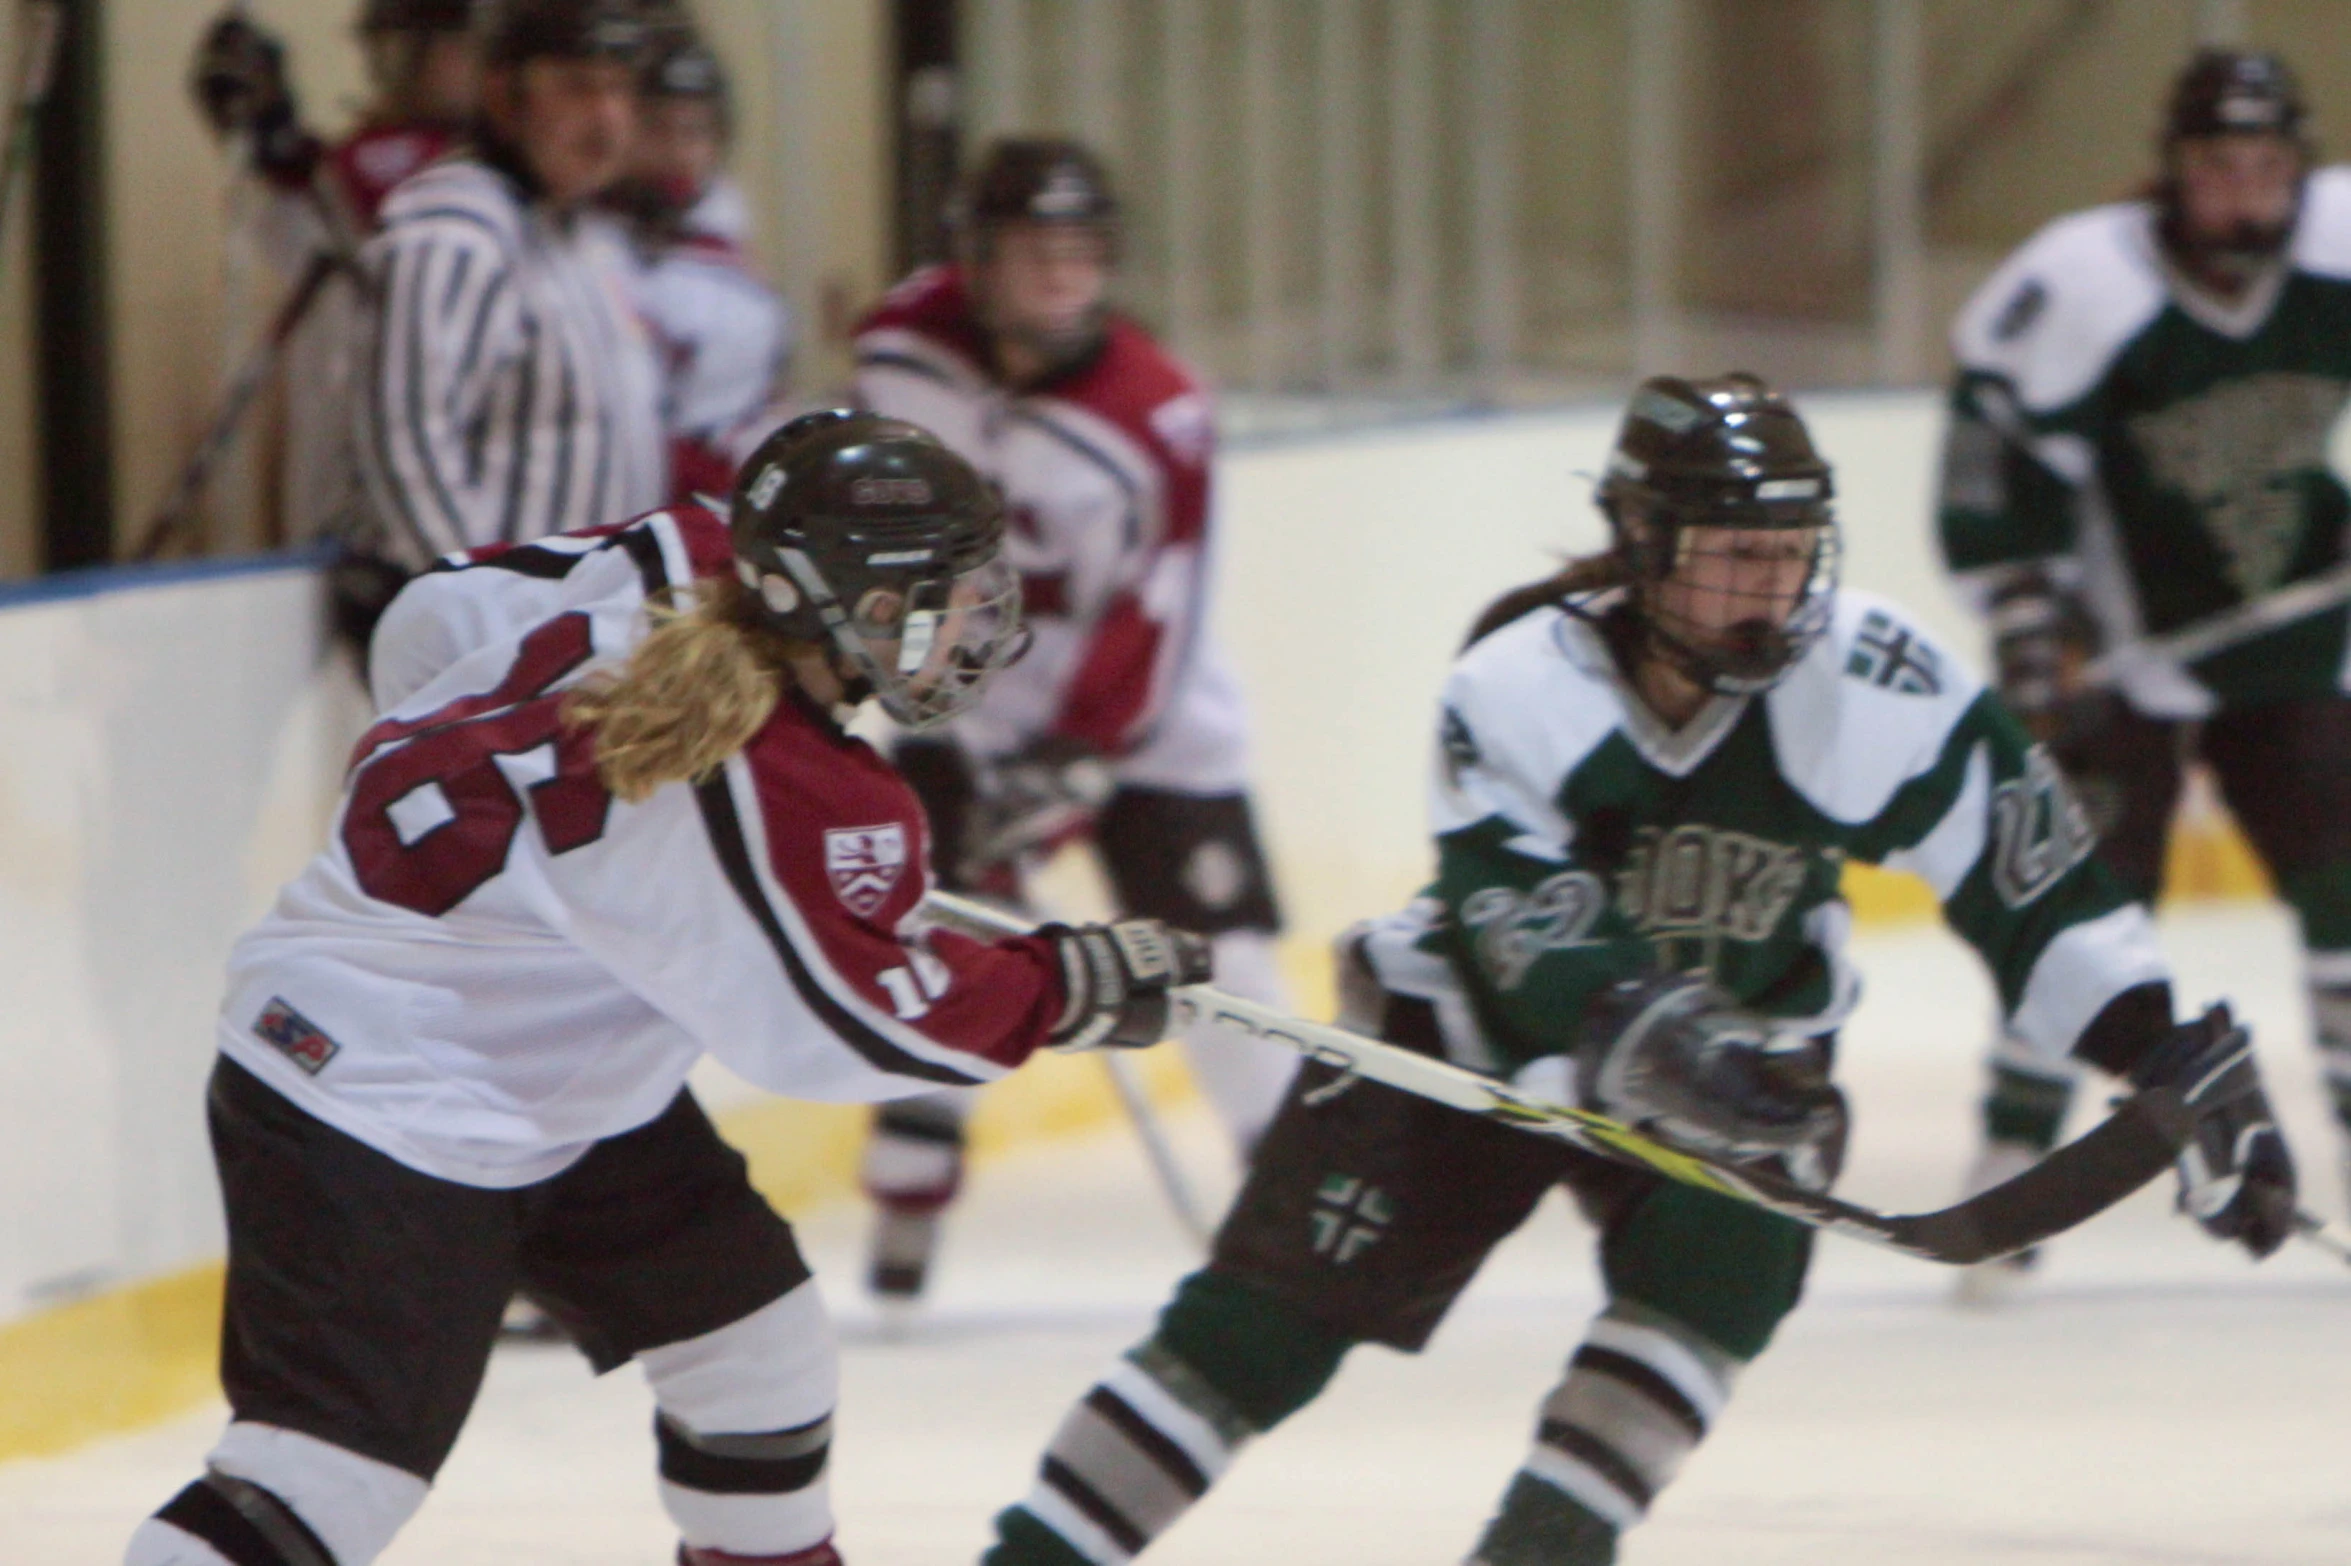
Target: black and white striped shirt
<point>509,390</point>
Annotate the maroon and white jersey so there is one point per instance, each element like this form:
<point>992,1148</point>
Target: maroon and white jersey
<point>1106,470</point>
<point>724,338</point>
<point>495,963</point>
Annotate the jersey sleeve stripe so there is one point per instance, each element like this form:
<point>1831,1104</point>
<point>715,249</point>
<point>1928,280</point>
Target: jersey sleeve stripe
<point>424,440</point>
<point>492,292</point>
<point>396,493</point>
<point>567,412</point>
<point>725,825</point>
<point>519,449</point>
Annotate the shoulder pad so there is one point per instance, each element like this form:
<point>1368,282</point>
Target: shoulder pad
<point>1521,711</point>
<point>1867,709</point>
<point>2059,310</point>
<point>2322,238</point>
<point>461,190</point>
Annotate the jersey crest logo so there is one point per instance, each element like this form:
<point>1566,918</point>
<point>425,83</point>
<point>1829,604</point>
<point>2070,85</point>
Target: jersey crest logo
<point>864,864</point>
<point>295,1036</point>
<point>1514,928</point>
<point>1886,654</point>
<point>2237,453</point>
<point>2023,308</point>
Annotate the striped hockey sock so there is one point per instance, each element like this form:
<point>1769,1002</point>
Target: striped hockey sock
<point>1638,1397</point>
<point>1142,1446</point>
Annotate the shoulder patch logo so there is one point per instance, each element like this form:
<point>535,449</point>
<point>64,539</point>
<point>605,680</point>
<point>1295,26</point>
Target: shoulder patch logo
<point>1460,746</point>
<point>2024,307</point>
<point>864,864</point>
<point>1886,654</point>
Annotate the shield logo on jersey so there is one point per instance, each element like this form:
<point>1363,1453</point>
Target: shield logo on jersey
<point>865,864</point>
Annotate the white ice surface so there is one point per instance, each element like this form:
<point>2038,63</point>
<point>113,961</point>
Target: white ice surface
<point>2152,1397</point>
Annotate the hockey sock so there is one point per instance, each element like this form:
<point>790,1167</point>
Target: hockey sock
<point>1638,1397</point>
<point>1227,1362</point>
<point>2330,1026</point>
<point>277,1497</point>
<point>744,1431</point>
<point>2027,1100</point>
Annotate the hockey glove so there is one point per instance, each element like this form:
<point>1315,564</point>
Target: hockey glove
<point>2236,1177</point>
<point>239,81</point>
<point>1672,1055</point>
<point>1032,799</point>
<point>1115,979</point>
<point>2042,637</point>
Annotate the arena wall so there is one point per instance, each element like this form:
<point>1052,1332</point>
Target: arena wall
<point>171,740</point>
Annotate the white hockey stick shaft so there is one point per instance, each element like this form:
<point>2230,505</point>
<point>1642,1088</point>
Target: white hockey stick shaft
<point>2229,628</point>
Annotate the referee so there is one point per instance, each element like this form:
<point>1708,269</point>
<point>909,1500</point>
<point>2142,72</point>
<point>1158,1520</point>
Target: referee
<point>508,391</point>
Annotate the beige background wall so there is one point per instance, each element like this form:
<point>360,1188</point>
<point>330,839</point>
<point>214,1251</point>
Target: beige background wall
<point>814,153</point>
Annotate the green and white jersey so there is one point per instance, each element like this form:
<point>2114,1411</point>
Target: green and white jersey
<point>1579,841</point>
<point>2163,449</point>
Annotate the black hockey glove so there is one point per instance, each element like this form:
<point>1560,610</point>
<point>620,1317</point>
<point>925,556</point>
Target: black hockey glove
<point>1115,979</point>
<point>1031,799</point>
<point>1674,1056</point>
<point>2236,1176</point>
<point>2042,637</point>
<point>239,81</point>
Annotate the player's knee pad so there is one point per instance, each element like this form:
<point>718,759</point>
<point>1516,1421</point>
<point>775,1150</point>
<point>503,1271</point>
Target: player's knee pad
<point>913,1156</point>
<point>1725,1271</point>
<point>744,1429</point>
<point>1243,1078</point>
<point>273,1497</point>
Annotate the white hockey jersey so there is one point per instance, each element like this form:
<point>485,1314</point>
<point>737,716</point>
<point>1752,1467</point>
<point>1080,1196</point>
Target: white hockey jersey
<point>1106,470</point>
<point>495,963</point>
<point>724,338</point>
<point>509,389</point>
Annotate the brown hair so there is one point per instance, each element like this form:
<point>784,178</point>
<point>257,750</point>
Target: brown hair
<point>1586,574</point>
<point>704,680</point>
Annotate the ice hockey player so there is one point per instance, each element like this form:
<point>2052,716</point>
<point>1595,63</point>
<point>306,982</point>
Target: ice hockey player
<point>453,1055</point>
<point>723,335</point>
<point>1124,724</point>
<point>1650,770</point>
<point>507,390</point>
<point>2138,440</point>
<point>321,198</point>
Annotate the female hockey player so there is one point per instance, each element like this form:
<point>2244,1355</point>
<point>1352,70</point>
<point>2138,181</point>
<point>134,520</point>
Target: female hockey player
<point>453,1055</point>
<point>1651,768</point>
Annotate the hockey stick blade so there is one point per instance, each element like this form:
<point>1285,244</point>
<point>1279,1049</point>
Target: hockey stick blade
<point>2133,1145</point>
<point>2330,1237</point>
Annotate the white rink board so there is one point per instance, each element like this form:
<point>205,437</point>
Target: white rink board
<point>168,755</point>
<point>1350,567</point>
<point>170,748</point>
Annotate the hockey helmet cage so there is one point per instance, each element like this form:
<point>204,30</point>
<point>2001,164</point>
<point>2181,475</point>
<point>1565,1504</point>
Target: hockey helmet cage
<point>869,536</point>
<point>415,16</point>
<point>2224,92</point>
<point>521,30</point>
<point>1721,454</point>
<point>678,64</point>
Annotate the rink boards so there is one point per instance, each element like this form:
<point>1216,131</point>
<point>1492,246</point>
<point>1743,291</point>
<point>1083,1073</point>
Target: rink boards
<point>171,742</point>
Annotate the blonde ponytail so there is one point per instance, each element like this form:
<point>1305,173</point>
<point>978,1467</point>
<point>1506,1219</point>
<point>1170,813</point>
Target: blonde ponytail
<point>704,680</point>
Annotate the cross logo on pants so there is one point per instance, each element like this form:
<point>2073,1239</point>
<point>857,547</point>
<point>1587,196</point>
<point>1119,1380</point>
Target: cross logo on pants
<point>1348,1216</point>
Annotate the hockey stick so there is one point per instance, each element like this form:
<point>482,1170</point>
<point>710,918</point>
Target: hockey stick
<point>41,25</point>
<point>2330,1237</point>
<point>2229,628</point>
<point>2080,1180</point>
<point>1158,1151</point>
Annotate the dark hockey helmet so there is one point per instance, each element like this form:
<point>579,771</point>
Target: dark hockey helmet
<point>870,536</point>
<point>415,16</point>
<point>1038,180</point>
<point>678,64</point>
<point>2234,92</point>
<point>1699,469</point>
<point>521,30</point>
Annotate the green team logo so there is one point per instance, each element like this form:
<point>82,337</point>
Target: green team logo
<point>2039,831</point>
<point>2234,451</point>
<point>1695,880</point>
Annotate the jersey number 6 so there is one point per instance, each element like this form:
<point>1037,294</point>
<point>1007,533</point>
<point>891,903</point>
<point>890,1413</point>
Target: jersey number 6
<point>434,804</point>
